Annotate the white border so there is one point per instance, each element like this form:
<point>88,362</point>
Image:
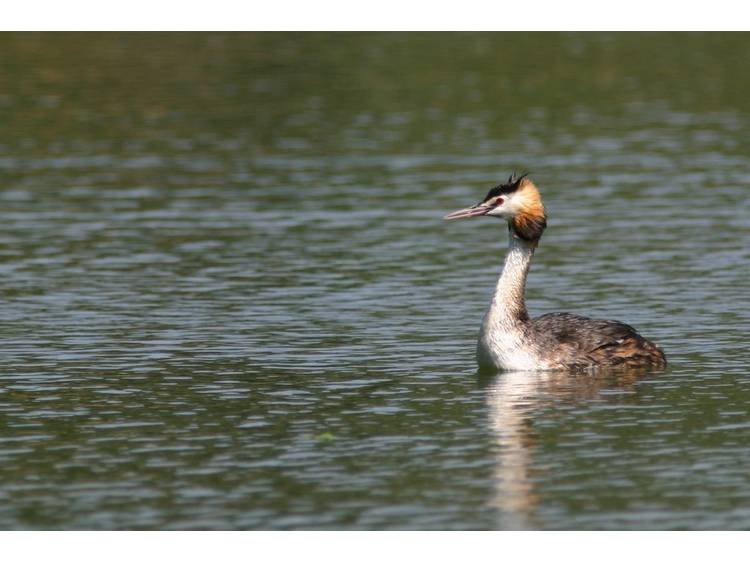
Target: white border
<point>374,546</point>
<point>402,15</point>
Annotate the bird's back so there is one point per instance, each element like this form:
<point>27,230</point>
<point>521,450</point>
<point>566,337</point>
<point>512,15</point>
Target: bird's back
<point>575,342</point>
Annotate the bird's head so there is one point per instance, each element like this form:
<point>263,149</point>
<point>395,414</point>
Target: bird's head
<point>517,201</point>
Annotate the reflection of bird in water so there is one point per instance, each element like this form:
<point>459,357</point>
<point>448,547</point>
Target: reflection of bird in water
<point>511,403</point>
<point>514,401</point>
<point>509,339</point>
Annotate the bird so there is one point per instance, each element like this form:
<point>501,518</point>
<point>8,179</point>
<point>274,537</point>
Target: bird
<point>509,340</point>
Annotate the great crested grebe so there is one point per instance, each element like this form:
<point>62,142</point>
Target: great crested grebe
<point>510,340</point>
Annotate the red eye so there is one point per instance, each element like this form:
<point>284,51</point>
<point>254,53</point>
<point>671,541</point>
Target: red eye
<point>499,201</point>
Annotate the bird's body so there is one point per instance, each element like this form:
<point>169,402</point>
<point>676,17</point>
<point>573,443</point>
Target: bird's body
<point>509,339</point>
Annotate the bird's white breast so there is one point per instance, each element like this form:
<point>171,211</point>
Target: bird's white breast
<point>501,347</point>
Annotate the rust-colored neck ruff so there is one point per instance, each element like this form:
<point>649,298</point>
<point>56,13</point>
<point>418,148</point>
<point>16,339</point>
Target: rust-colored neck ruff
<point>530,220</point>
<point>528,227</point>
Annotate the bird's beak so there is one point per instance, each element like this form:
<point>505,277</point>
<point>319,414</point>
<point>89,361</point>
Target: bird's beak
<point>475,211</point>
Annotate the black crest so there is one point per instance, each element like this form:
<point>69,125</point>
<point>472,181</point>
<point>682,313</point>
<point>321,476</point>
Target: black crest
<point>514,181</point>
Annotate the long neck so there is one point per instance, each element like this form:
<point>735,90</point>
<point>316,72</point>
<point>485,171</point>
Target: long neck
<point>508,305</point>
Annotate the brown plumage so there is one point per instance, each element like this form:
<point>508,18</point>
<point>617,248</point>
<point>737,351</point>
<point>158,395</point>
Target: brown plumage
<point>576,342</point>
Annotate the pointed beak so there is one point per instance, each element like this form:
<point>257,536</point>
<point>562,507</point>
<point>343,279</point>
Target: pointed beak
<point>475,211</point>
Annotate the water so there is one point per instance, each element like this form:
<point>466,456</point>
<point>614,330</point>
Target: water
<point>229,300</point>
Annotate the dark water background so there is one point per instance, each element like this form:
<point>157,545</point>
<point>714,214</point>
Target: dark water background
<point>229,300</point>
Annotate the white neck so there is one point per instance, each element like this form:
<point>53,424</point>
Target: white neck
<point>502,341</point>
<point>508,304</point>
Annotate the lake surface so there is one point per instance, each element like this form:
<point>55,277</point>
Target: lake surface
<point>229,300</point>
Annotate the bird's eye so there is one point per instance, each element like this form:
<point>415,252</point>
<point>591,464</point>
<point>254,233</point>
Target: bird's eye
<point>499,201</point>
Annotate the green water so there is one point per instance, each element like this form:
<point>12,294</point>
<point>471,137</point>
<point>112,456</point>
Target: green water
<point>229,300</point>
